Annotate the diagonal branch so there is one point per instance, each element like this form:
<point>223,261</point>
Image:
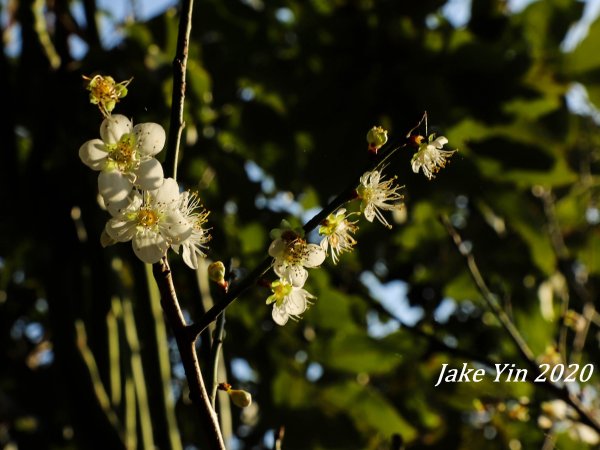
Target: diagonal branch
<point>561,391</point>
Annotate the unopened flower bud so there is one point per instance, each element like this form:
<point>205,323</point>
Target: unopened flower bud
<point>216,273</point>
<point>241,399</point>
<point>376,138</point>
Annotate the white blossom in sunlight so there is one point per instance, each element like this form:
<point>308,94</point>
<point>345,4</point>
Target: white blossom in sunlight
<point>337,231</point>
<point>124,155</point>
<point>288,301</point>
<point>292,254</point>
<point>431,157</point>
<point>152,221</point>
<point>193,212</point>
<point>378,195</point>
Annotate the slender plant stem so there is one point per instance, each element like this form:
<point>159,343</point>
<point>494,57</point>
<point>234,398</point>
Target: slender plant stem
<point>218,337</point>
<point>179,85</point>
<point>561,391</point>
<point>217,345</point>
<point>487,295</point>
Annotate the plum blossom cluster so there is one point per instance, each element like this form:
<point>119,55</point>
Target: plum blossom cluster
<point>378,195</point>
<point>145,207</point>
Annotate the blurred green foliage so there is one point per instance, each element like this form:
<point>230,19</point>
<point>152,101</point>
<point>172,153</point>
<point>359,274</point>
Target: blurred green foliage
<point>280,97</point>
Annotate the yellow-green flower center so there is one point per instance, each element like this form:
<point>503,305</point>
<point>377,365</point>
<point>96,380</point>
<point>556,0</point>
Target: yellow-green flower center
<point>124,153</point>
<point>147,218</point>
<point>280,292</point>
<point>331,224</point>
<point>295,251</point>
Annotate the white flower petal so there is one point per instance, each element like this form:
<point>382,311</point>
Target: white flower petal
<point>149,246</point>
<point>150,138</point>
<point>369,212</point>
<point>279,267</point>
<point>150,175</point>
<point>296,275</point>
<point>114,127</point>
<point>167,193</point>
<point>416,164</point>
<point>277,248</point>
<point>93,154</point>
<point>106,240</point>
<point>114,186</point>
<point>176,226</point>
<point>120,230</point>
<point>115,208</point>
<point>314,257</point>
<point>440,141</point>
<point>190,257</point>
<point>296,303</point>
<point>279,316</point>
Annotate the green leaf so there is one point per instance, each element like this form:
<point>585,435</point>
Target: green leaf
<point>370,411</point>
<point>357,353</point>
<point>252,238</point>
<point>585,57</point>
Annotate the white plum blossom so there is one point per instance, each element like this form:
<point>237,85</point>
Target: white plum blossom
<point>152,221</point>
<point>430,157</point>
<point>337,231</point>
<point>190,208</point>
<point>288,301</point>
<point>124,155</point>
<point>292,254</point>
<point>378,195</point>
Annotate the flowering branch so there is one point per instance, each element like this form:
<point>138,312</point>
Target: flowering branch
<point>386,153</point>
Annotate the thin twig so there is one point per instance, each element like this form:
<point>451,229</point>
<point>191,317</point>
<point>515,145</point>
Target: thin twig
<point>561,391</point>
<point>217,341</point>
<point>179,85</point>
<point>215,354</point>
<point>487,295</point>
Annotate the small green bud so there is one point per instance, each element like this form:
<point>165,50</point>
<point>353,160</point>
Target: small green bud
<point>376,138</point>
<point>216,273</point>
<point>240,398</point>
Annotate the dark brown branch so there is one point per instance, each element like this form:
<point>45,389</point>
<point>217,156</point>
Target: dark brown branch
<point>198,395</point>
